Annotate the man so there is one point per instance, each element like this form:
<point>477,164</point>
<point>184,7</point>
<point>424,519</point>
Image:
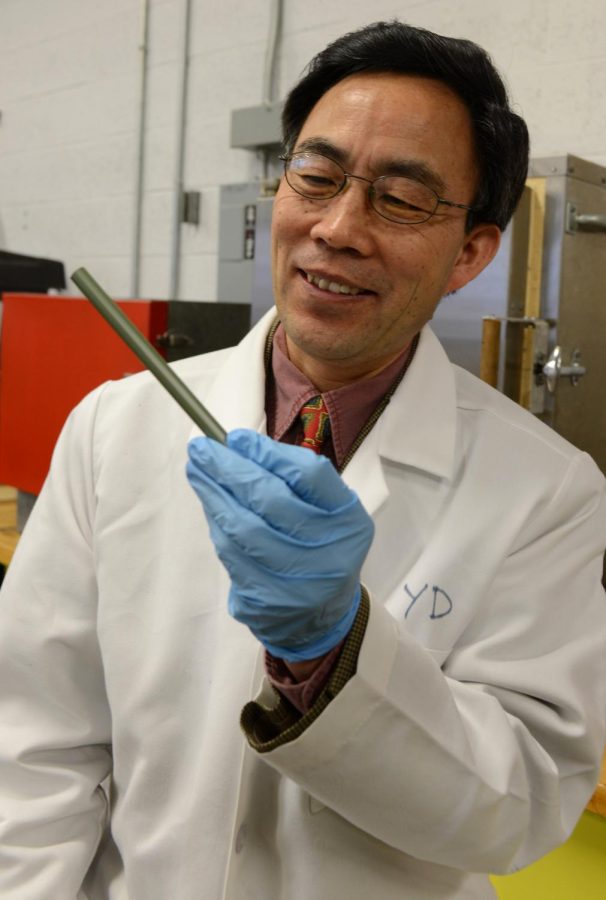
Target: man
<point>431,624</point>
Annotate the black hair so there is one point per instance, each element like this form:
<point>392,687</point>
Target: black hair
<point>501,136</point>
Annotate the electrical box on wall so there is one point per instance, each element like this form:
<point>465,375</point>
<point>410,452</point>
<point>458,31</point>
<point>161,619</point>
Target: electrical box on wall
<point>257,127</point>
<point>244,226</point>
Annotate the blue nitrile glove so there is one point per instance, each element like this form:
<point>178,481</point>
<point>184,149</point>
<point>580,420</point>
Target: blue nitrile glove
<point>290,533</point>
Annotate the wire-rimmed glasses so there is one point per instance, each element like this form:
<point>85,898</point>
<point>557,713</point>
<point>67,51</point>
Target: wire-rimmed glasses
<point>394,197</point>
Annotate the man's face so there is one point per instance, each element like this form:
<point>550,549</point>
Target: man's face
<point>377,124</point>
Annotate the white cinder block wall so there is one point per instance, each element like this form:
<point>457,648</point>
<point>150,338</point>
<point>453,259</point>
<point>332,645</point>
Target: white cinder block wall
<point>69,82</point>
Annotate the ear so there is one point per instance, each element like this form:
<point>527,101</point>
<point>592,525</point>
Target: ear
<point>479,247</point>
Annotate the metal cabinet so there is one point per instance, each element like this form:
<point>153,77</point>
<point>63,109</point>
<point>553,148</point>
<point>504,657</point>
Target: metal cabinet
<point>547,288</point>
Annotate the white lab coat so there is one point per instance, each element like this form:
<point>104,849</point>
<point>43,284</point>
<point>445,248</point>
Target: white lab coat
<point>468,740</point>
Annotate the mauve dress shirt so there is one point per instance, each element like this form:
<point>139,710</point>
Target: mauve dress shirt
<point>349,407</point>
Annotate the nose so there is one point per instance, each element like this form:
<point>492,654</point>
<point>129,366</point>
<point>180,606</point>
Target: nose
<point>344,222</point>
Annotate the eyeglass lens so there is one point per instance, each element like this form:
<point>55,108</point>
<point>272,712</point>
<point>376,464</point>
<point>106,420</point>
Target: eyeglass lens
<point>394,197</point>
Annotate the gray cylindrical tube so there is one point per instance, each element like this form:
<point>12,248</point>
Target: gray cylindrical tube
<point>148,355</point>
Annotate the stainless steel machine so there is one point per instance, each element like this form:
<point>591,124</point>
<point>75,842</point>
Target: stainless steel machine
<point>534,323</point>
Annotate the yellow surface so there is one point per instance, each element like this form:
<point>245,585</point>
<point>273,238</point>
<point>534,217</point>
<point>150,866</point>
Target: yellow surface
<point>536,228</point>
<point>8,543</point>
<point>575,871</point>
<point>8,507</point>
<point>490,350</point>
<point>597,804</point>
<point>8,521</point>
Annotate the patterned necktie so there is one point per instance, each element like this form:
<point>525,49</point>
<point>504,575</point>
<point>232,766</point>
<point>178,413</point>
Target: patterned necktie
<point>316,424</point>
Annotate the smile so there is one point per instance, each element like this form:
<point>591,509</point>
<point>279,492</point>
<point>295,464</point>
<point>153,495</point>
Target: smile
<point>335,287</point>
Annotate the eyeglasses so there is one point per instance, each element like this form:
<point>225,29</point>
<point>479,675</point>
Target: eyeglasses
<point>395,197</point>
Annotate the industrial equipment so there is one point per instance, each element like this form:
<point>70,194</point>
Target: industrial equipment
<point>55,349</point>
<point>534,322</point>
<point>29,273</point>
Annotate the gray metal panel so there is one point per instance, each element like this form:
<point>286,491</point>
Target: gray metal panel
<point>262,297</point>
<point>200,327</point>
<point>555,206</point>
<point>235,272</point>
<point>256,126</point>
<point>580,412</point>
<point>231,238</point>
<point>458,319</point>
<point>573,166</point>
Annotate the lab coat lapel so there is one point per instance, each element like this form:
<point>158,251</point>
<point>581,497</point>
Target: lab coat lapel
<point>417,430</point>
<point>237,396</point>
<point>364,474</point>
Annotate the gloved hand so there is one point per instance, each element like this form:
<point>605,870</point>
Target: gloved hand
<point>290,533</point>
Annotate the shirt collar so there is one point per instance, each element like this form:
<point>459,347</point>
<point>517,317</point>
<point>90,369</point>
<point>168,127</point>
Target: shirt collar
<point>349,406</point>
<point>418,428</point>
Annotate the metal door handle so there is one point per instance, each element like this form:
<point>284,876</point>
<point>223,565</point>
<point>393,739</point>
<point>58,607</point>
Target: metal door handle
<point>595,222</point>
<point>174,339</point>
<point>553,369</point>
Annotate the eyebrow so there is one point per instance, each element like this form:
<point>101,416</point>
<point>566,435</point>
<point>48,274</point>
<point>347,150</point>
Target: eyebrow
<point>415,169</point>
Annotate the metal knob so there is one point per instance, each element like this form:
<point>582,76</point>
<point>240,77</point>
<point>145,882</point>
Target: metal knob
<point>592,222</point>
<point>174,339</point>
<point>553,369</point>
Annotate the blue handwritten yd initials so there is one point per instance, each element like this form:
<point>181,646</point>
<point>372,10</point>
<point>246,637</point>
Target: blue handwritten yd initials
<point>441,605</point>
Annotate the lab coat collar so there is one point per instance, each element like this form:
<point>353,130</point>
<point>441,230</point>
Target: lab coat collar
<point>418,428</point>
<point>237,396</point>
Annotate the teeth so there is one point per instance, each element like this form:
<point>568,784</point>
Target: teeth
<point>333,286</point>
